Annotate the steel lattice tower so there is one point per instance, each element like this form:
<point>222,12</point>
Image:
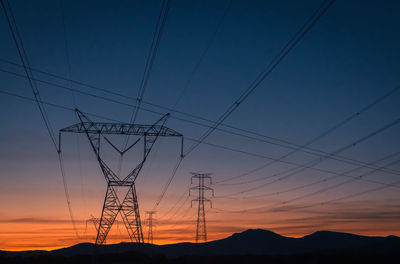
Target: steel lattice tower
<point>201,230</point>
<point>149,221</point>
<point>95,221</point>
<point>128,206</point>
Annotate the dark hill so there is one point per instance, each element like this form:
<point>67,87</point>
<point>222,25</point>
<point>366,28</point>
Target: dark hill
<point>250,242</point>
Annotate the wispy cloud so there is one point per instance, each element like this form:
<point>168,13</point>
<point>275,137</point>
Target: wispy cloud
<point>32,220</point>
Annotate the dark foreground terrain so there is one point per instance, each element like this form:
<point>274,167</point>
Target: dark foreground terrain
<point>251,246</point>
<point>134,257</point>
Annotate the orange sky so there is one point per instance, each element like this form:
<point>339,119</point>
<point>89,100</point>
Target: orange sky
<point>362,218</point>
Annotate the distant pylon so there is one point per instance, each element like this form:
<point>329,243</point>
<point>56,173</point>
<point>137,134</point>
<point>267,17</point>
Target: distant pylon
<point>201,230</point>
<point>149,221</point>
<point>95,221</point>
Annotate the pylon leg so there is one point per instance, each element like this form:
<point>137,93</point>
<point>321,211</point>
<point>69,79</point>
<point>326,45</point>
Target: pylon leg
<point>110,211</point>
<point>131,216</point>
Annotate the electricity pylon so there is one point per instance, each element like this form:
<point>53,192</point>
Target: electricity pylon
<point>128,207</point>
<point>201,230</point>
<point>149,221</point>
<point>95,221</point>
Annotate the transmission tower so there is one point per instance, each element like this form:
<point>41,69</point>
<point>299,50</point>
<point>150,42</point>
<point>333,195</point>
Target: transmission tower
<point>149,221</point>
<point>128,206</point>
<point>95,221</point>
<point>201,230</point>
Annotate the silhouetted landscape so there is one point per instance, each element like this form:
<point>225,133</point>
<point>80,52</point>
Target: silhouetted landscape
<point>251,246</point>
<point>160,131</point>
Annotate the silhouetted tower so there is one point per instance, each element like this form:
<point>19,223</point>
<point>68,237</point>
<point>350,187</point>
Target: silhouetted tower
<point>128,206</point>
<point>95,221</point>
<point>201,230</point>
<point>149,221</point>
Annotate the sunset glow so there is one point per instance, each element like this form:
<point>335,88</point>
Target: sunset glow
<point>292,107</point>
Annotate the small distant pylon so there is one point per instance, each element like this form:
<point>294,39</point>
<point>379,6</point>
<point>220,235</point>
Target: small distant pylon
<point>201,230</point>
<point>149,220</point>
<point>95,221</point>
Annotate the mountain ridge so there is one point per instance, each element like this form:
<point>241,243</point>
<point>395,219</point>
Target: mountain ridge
<point>248,242</point>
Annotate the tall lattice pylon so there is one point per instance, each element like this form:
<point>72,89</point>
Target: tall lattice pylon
<point>149,220</point>
<point>128,206</point>
<point>201,229</point>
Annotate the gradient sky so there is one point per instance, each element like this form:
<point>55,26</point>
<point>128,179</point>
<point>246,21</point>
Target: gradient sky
<point>349,59</point>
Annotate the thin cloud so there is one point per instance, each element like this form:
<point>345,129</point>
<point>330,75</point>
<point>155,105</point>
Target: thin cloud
<point>32,220</point>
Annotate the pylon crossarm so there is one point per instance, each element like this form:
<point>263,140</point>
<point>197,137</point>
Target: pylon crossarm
<point>88,126</point>
<point>121,129</point>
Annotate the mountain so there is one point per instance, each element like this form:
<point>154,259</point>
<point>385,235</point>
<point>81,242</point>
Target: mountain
<point>249,242</point>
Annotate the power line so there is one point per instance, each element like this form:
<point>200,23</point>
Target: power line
<point>166,186</point>
<point>152,55</point>
<point>283,143</point>
<point>175,204</point>
<point>360,193</point>
<point>269,69</point>
<point>164,190</point>
<point>312,163</point>
<point>324,180</point>
<point>146,74</point>
<point>194,140</point>
<point>25,62</point>
<point>323,134</point>
<point>383,185</point>
<point>67,57</point>
<point>334,186</point>
<point>203,55</point>
<point>282,161</point>
<point>182,217</point>
<point>56,105</point>
<point>68,62</point>
<point>69,80</point>
<point>271,66</point>
<point>179,208</point>
<point>265,209</point>
<point>72,89</point>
